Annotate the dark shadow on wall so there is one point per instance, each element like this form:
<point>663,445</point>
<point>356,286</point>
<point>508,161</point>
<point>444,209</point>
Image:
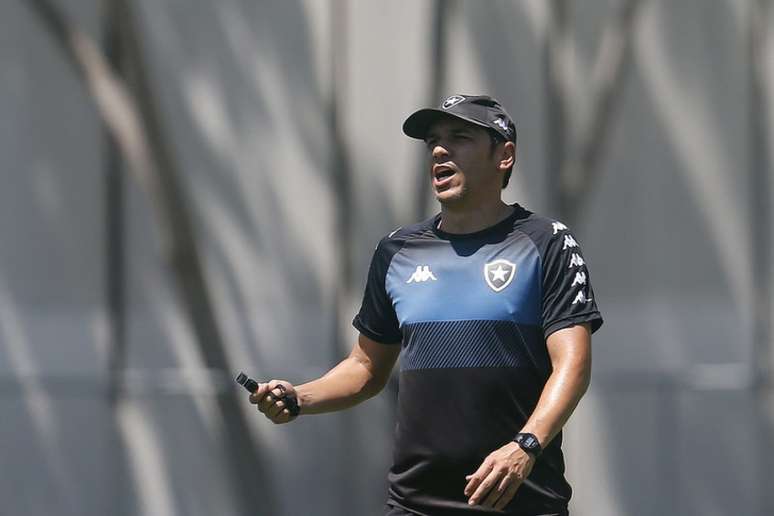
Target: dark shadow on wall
<point>659,426</point>
<point>259,62</point>
<point>514,73</point>
<point>508,55</point>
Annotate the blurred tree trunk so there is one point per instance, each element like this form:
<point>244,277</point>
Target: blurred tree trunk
<point>115,270</point>
<point>341,174</point>
<point>442,12</point>
<point>555,68</point>
<point>116,453</point>
<point>574,149</point>
<point>129,113</point>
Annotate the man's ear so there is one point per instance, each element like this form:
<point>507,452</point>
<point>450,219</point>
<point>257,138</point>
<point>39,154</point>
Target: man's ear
<point>508,156</point>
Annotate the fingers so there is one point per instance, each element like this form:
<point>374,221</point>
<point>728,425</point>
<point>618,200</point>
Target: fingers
<point>280,389</point>
<point>493,484</point>
<point>503,492</point>
<point>497,489</point>
<point>259,393</point>
<point>477,479</point>
<point>273,389</point>
<point>485,486</point>
<point>269,399</point>
<point>510,491</point>
<point>496,492</point>
<point>274,410</point>
<point>498,478</point>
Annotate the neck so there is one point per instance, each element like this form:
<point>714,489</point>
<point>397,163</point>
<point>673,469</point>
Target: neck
<point>460,219</point>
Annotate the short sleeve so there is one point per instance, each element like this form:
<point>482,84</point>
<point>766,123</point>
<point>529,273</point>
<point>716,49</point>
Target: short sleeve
<point>568,297</point>
<point>377,319</point>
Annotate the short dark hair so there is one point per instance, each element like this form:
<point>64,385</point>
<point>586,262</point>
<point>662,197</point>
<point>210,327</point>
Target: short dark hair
<point>496,139</point>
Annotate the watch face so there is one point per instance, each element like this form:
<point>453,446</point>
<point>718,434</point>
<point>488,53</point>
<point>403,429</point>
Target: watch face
<point>529,443</point>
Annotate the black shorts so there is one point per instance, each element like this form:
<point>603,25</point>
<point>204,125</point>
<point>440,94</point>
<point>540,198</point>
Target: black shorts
<point>391,510</point>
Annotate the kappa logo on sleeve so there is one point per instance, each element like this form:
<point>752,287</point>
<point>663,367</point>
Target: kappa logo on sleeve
<point>581,298</point>
<point>576,261</point>
<point>580,279</point>
<point>569,241</point>
<point>499,274</point>
<point>558,226</point>
<point>422,274</point>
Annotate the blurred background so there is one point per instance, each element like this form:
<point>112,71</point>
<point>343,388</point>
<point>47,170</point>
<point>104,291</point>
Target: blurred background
<point>191,189</point>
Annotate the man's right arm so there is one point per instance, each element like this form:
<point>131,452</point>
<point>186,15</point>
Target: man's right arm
<point>360,376</point>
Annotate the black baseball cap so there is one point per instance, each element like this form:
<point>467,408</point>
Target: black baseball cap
<point>481,110</point>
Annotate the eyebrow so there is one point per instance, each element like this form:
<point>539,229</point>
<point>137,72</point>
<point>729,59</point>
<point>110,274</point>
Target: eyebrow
<point>456,130</point>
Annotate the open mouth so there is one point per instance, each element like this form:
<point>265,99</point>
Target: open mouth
<point>442,174</point>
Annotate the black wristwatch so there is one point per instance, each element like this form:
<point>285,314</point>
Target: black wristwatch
<point>529,443</point>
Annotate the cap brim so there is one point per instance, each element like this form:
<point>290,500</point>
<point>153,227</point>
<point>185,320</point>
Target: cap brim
<point>417,125</point>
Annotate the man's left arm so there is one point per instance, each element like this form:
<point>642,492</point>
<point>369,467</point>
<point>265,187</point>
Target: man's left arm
<point>498,478</point>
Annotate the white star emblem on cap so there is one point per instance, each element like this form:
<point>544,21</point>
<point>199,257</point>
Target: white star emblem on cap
<point>452,101</point>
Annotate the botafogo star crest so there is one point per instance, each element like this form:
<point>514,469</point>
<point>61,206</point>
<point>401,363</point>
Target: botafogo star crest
<point>499,274</point>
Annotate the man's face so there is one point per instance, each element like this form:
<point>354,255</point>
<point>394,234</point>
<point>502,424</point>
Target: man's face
<point>463,167</point>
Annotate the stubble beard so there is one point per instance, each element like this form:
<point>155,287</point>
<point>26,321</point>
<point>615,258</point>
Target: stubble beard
<point>458,201</point>
<point>452,197</point>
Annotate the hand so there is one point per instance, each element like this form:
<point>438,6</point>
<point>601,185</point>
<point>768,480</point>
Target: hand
<point>499,476</point>
<point>268,397</point>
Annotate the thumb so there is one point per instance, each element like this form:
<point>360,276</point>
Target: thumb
<point>259,393</point>
<point>280,388</point>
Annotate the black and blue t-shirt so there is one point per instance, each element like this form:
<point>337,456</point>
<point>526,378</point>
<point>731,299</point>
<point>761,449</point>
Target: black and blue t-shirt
<point>472,313</point>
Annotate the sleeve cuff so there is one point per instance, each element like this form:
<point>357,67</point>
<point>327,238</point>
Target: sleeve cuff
<point>595,318</point>
<point>357,322</point>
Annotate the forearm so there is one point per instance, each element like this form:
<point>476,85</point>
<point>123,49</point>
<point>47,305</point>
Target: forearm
<point>570,351</point>
<point>560,396</point>
<point>344,386</point>
<point>502,471</point>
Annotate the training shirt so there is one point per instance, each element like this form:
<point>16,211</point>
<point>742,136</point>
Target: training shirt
<point>472,313</point>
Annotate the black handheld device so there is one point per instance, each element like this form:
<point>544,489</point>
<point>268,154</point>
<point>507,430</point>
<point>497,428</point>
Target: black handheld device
<point>250,385</point>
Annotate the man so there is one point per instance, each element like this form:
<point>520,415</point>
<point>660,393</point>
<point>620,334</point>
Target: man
<point>493,310</point>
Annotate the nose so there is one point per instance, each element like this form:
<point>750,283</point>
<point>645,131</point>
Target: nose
<point>439,152</point>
